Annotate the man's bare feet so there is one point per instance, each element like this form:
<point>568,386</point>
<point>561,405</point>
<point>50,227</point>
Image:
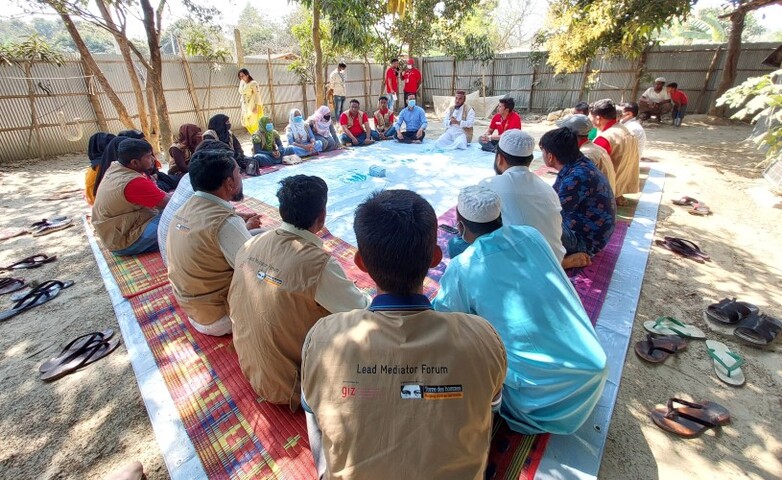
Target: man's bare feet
<point>576,260</point>
<point>622,201</point>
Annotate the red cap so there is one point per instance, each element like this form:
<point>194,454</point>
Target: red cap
<point>409,61</point>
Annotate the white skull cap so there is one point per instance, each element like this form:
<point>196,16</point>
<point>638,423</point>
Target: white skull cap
<point>478,204</point>
<point>659,79</point>
<point>517,143</point>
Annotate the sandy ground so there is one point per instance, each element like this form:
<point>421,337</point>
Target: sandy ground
<point>91,422</point>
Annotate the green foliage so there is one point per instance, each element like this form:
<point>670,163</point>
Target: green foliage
<point>304,66</point>
<point>33,48</point>
<point>706,26</point>
<point>261,33</point>
<point>53,32</point>
<point>760,98</point>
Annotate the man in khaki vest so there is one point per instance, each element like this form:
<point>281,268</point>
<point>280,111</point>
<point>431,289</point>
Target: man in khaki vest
<point>204,237</point>
<point>399,390</point>
<point>125,213</point>
<point>581,126</point>
<point>355,126</point>
<point>384,121</point>
<point>621,145</point>
<point>458,123</point>
<point>284,282</point>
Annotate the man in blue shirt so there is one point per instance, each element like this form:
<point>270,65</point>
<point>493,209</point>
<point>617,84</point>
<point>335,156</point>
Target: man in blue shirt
<point>588,204</point>
<point>509,276</point>
<point>414,119</point>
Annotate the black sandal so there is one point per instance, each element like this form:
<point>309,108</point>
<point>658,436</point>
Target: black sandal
<point>730,311</point>
<point>758,329</point>
<point>33,261</point>
<point>37,296</point>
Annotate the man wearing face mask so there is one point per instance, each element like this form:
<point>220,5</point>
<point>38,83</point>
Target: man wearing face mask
<point>413,80</point>
<point>414,119</point>
<point>203,242</point>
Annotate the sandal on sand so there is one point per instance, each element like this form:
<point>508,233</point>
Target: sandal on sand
<point>657,349</point>
<point>758,329</point>
<point>10,285</point>
<point>684,248</point>
<point>672,326</point>
<point>34,261</point>
<point>729,311</point>
<point>692,419</point>
<point>89,353</point>
<point>37,296</point>
<point>727,365</point>
<point>685,201</point>
<point>45,227</point>
<point>76,345</point>
<point>699,209</point>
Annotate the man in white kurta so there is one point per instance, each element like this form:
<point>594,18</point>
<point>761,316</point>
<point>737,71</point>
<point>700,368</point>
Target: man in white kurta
<point>458,123</point>
<point>630,120</point>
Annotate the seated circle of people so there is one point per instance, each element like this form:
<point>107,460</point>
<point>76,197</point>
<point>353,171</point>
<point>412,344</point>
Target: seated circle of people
<point>384,120</point>
<point>283,283</point>
<point>125,213</point>
<point>622,147</point>
<point>581,126</point>
<point>526,198</point>
<point>629,119</point>
<point>180,151</point>
<point>371,378</point>
<point>268,149</point>
<point>300,136</point>
<point>322,127</point>
<point>588,206</point>
<point>509,276</point>
<point>505,119</point>
<point>219,128</point>
<point>414,119</point>
<point>355,126</point>
<point>202,245</point>
<point>458,123</point>
<point>655,101</point>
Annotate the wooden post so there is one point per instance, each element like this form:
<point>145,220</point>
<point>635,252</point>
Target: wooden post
<point>709,75</point>
<point>304,96</point>
<point>483,80</point>
<point>453,78</point>
<point>639,73</point>
<point>493,89</point>
<point>532,86</point>
<point>270,72</point>
<point>367,83</point>
<point>584,78</point>
<point>239,48</point>
<point>190,85</point>
<point>103,125</point>
<point>34,126</point>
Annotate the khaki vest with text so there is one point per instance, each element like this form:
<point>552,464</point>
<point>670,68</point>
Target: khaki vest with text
<point>465,110</point>
<point>383,121</point>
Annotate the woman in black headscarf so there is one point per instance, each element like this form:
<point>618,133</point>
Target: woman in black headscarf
<point>221,125</point>
<point>95,148</point>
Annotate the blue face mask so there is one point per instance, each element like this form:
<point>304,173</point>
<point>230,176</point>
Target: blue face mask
<point>298,119</point>
<point>411,103</point>
<point>269,127</point>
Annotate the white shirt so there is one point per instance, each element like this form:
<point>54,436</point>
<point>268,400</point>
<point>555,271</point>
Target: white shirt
<point>335,292</point>
<point>527,200</point>
<point>638,132</point>
<point>655,97</point>
<point>183,192</point>
<point>457,114</point>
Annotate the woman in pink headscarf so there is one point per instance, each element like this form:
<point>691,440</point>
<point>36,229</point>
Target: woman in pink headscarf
<point>323,128</point>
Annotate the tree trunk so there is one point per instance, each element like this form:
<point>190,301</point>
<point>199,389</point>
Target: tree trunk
<point>152,25</point>
<point>35,128</point>
<point>731,60</point>
<point>87,57</point>
<point>319,80</point>
<point>153,118</point>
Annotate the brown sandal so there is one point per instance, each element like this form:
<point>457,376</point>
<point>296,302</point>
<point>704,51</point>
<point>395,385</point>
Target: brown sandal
<point>657,349</point>
<point>692,419</point>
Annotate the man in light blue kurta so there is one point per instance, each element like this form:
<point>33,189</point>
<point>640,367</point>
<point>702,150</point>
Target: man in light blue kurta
<point>414,119</point>
<point>509,276</point>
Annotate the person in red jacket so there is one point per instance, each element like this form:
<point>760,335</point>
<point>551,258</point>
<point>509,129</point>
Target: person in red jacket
<point>679,100</point>
<point>413,80</point>
<point>392,82</point>
<point>506,119</point>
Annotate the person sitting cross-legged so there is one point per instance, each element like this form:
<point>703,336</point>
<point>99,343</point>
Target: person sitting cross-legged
<point>506,119</point>
<point>284,282</point>
<point>300,136</point>
<point>355,126</point>
<point>202,246</point>
<point>458,122</point>
<point>581,126</point>
<point>509,276</point>
<point>414,119</point>
<point>384,121</point>
<point>126,210</point>
<point>371,378</point>
<point>267,145</point>
<point>588,206</point>
<point>323,128</point>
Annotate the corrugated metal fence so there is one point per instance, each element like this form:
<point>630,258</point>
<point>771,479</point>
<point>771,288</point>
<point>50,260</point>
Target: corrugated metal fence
<point>67,119</point>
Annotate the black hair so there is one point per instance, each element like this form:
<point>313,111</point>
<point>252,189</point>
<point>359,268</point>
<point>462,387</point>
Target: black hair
<point>562,143</point>
<point>246,72</point>
<point>342,65</point>
<point>604,108</point>
<point>132,149</point>
<point>581,107</point>
<point>480,228</point>
<point>355,100</point>
<point>137,134</point>
<point>383,97</point>
<point>396,234</point>
<point>209,168</point>
<point>394,60</point>
<point>631,107</point>
<point>508,103</point>
<point>302,200</point>
<point>212,144</point>
<point>673,84</point>
<point>515,161</point>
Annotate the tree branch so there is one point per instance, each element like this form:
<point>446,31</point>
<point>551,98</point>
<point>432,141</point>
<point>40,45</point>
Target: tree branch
<point>752,5</point>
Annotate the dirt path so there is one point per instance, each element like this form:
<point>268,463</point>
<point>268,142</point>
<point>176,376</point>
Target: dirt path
<point>91,422</point>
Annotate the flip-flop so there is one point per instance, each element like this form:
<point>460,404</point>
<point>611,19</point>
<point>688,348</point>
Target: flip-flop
<point>727,365</point>
<point>23,292</point>
<point>46,221</point>
<point>692,419</point>
<point>33,261</point>
<point>37,296</point>
<point>685,201</point>
<point>758,329</point>
<point>657,349</point>
<point>10,285</point>
<point>49,226</point>
<point>729,311</point>
<point>90,353</point>
<point>699,209</point>
<point>75,345</point>
<point>684,248</point>
<point>672,326</point>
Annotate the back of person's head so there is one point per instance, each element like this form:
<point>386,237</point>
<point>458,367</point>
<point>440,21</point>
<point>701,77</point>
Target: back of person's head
<point>212,143</point>
<point>631,107</point>
<point>579,123</point>
<point>582,108</point>
<point>508,103</point>
<point>97,145</point>
<point>396,234</point>
<point>478,209</point>
<point>673,85</point>
<point>302,200</point>
<point>516,147</point>
<point>562,143</point>
<point>604,108</point>
<point>137,134</point>
<point>209,168</point>
<point>132,149</point>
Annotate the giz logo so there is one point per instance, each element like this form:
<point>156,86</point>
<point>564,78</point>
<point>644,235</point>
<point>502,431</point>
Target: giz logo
<point>348,391</point>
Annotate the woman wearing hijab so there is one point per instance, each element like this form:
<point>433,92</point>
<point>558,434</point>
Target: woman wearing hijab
<point>179,154</point>
<point>109,156</point>
<point>95,148</point>
<point>252,108</point>
<point>300,136</point>
<point>323,128</point>
<point>267,145</point>
<point>221,126</point>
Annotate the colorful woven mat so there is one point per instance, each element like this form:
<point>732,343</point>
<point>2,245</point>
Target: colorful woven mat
<point>137,274</point>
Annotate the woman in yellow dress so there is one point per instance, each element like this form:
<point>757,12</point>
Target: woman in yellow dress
<point>252,107</point>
